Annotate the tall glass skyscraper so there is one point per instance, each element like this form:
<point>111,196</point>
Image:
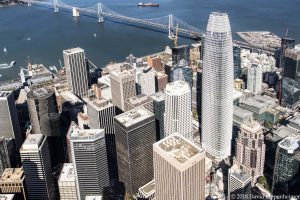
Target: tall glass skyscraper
<point>217,87</point>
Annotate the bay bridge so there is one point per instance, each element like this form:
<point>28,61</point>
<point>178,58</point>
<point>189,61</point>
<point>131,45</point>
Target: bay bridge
<point>170,23</point>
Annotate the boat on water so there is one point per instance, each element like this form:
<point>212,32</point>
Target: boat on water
<point>4,50</point>
<point>12,63</point>
<point>141,4</point>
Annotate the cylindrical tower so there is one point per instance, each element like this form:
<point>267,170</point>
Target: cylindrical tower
<point>217,87</point>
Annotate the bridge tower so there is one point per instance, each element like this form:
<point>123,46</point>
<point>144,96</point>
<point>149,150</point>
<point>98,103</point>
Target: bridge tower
<point>171,27</point>
<point>55,5</point>
<point>29,3</point>
<point>100,13</point>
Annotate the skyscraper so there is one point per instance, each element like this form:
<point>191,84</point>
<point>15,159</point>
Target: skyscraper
<point>135,135</point>
<point>147,79</point>
<point>122,86</point>
<point>237,61</point>
<point>179,169</point>
<point>76,70</point>
<point>37,167</point>
<point>161,80</point>
<point>254,78</point>
<point>66,183</point>
<point>217,87</point>
<point>159,110</point>
<point>287,163</point>
<point>88,150</point>
<point>250,149</point>
<point>178,109</point>
<point>181,52</point>
<point>9,123</point>
<point>139,100</point>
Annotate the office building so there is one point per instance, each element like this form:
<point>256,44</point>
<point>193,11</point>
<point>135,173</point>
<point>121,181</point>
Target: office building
<point>122,86</point>
<point>159,110</point>
<point>286,166</point>
<point>101,114</point>
<point>241,116</point>
<point>147,79</point>
<point>89,159</point>
<point>178,109</point>
<point>12,181</point>
<point>8,197</point>
<point>182,71</point>
<point>290,93</point>
<point>5,161</point>
<point>217,87</point>
<point>76,70</point>
<point>9,123</point>
<point>161,81</point>
<point>179,169</point>
<point>250,150</point>
<point>139,100</point>
<point>66,183</point>
<point>239,184</point>
<point>254,79</point>
<point>154,62</point>
<point>36,162</point>
<point>237,61</point>
<point>135,135</point>
<point>286,43</point>
<point>147,191</point>
<point>181,52</point>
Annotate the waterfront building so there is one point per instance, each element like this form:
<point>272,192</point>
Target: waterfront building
<point>178,109</point>
<point>179,169</point>
<point>9,123</point>
<point>254,79</point>
<point>135,135</point>
<point>77,71</point>
<point>36,162</point>
<point>159,110</point>
<point>217,87</point>
<point>154,62</point>
<point>250,150</point>
<point>66,183</point>
<point>239,184</point>
<point>89,158</point>
<point>122,86</point>
<point>12,181</point>
<point>139,100</point>
<point>147,79</point>
<point>286,166</point>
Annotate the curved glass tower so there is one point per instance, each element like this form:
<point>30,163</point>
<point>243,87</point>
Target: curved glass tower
<point>217,87</point>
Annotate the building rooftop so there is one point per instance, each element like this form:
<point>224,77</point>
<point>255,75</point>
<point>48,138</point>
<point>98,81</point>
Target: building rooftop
<point>290,144</point>
<point>40,93</point>
<point>159,96</point>
<point>4,94</point>
<point>139,100</point>
<point>72,51</point>
<point>22,97</point>
<point>86,134</point>
<point>133,116</point>
<point>148,189</point>
<point>12,175</point>
<point>177,88</point>
<point>177,148</point>
<point>93,197</point>
<point>239,174</point>
<point>252,126</point>
<point>284,131</point>
<point>32,142</point>
<point>7,196</point>
<point>242,113</point>
<point>67,173</point>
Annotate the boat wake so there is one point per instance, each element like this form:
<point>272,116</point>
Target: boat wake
<point>6,66</point>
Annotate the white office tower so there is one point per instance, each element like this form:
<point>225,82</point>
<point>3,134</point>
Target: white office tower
<point>9,122</point>
<point>254,78</point>
<point>147,80</point>
<point>178,110</point>
<point>88,149</point>
<point>179,169</point>
<point>239,184</point>
<point>122,83</point>
<point>76,70</point>
<point>217,87</point>
<point>66,183</point>
<point>36,162</point>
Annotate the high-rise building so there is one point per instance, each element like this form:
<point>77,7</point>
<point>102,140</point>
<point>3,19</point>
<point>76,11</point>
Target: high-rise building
<point>159,110</point>
<point>89,159</point>
<point>178,109</point>
<point>36,162</point>
<point>77,71</point>
<point>181,52</point>
<point>66,183</point>
<point>122,86</point>
<point>179,169</point>
<point>147,81</point>
<point>292,65</point>
<point>250,149</point>
<point>239,184</point>
<point>135,135</point>
<point>139,100</point>
<point>161,80</point>
<point>287,163</point>
<point>12,181</point>
<point>237,61</point>
<point>182,71</point>
<point>254,79</point>
<point>286,43</point>
<point>217,87</point>
<point>154,62</point>
<point>9,123</point>
<point>101,113</point>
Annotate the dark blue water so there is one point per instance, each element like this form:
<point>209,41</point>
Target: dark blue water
<point>50,33</point>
